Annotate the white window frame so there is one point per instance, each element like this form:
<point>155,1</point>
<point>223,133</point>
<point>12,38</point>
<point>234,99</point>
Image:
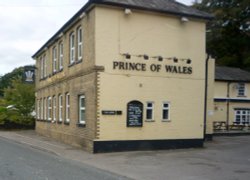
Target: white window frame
<point>38,109</point>
<point>45,108</point>
<point>241,89</point>
<point>60,106</point>
<point>240,113</point>
<point>49,108</point>
<point>54,108</point>
<point>45,66</point>
<point>42,109</point>
<point>54,55</point>
<point>67,114</point>
<point>79,43</point>
<point>61,56</point>
<point>149,109</point>
<point>82,108</point>
<point>166,109</point>
<point>41,68</point>
<point>72,48</point>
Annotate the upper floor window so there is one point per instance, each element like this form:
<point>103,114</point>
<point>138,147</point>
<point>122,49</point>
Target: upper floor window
<point>241,89</point>
<point>61,56</point>
<point>72,48</point>
<point>41,67</point>
<point>79,43</point>
<point>44,66</point>
<point>165,111</point>
<point>149,111</point>
<point>82,114</point>
<point>67,108</point>
<point>54,55</point>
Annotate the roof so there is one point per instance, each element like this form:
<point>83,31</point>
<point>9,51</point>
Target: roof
<point>164,6</point>
<point>231,74</point>
<point>161,6</point>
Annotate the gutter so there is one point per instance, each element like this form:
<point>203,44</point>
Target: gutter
<point>205,100</point>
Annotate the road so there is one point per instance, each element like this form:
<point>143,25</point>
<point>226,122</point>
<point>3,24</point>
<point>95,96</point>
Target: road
<point>20,162</point>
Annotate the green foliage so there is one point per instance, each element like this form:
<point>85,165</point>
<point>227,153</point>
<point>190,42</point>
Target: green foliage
<point>228,37</point>
<point>18,104</point>
<point>5,81</point>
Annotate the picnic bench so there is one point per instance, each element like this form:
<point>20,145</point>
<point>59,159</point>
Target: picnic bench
<point>219,125</point>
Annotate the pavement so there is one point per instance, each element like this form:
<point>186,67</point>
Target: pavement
<point>224,158</point>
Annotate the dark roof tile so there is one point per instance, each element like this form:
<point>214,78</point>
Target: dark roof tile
<point>167,6</point>
<point>231,74</point>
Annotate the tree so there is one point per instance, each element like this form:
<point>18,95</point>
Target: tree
<point>18,104</point>
<point>5,81</point>
<point>228,37</point>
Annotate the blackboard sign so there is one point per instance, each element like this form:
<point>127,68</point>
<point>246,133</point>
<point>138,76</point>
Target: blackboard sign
<point>134,114</point>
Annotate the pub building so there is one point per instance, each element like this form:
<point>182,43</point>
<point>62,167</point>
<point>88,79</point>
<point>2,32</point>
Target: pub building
<point>126,75</point>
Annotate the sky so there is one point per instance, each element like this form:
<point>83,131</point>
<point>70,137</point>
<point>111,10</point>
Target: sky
<point>25,25</point>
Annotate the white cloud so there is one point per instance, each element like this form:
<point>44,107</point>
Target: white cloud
<point>25,25</point>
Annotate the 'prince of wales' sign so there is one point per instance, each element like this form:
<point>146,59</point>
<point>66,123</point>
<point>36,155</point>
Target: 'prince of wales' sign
<point>129,66</point>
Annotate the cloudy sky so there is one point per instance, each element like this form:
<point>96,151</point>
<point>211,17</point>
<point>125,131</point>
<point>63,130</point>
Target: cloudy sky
<point>25,25</point>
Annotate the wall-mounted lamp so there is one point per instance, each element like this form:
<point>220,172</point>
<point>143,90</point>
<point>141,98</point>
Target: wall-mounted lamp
<point>160,58</point>
<point>127,11</point>
<point>184,19</point>
<point>175,60</point>
<point>189,61</point>
<point>145,57</point>
<point>82,15</point>
<point>127,56</point>
<point>60,35</point>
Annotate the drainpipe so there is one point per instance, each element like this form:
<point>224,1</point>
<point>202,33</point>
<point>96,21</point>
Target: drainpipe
<point>228,103</point>
<point>205,101</point>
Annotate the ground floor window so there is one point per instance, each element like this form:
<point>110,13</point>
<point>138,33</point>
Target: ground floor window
<point>165,111</point>
<point>45,108</point>
<point>67,108</point>
<point>38,109</point>
<point>150,111</point>
<point>42,108</point>
<point>60,104</point>
<point>242,116</point>
<point>54,108</point>
<point>82,113</point>
<point>49,109</point>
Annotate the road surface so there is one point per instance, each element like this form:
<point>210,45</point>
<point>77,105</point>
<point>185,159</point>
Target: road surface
<point>20,162</point>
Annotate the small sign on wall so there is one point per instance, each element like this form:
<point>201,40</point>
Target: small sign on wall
<point>134,114</point>
<point>108,112</point>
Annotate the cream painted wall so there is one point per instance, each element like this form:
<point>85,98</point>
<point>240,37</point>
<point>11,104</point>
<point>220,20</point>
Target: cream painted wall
<point>155,35</point>
<point>220,88</point>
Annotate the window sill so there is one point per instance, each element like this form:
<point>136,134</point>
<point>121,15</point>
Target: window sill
<point>42,79</point>
<point>166,120</point>
<point>79,61</point>
<point>81,125</point>
<point>66,123</point>
<point>241,96</point>
<point>149,120</point>
<point>71,64</point>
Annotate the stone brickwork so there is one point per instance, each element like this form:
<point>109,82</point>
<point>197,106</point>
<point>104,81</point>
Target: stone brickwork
<point>72,133</point>
<point>76,79</point>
